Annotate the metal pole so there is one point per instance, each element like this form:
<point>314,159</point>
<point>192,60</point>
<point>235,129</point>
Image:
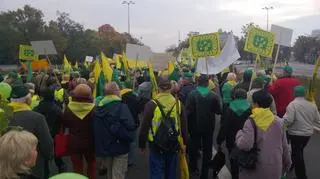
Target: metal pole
<point>129,18</point>
<point>267,19</point>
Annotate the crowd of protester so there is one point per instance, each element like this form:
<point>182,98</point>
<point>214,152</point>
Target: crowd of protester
<point>268,118</point>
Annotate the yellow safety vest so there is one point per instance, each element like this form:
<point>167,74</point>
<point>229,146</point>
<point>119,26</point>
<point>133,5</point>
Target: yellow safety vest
<point>156,120</point>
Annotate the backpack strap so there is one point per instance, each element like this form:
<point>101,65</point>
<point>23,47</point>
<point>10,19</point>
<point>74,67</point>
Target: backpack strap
<point>255,145</point>
<point>162,111</point>
<point>162,114</point>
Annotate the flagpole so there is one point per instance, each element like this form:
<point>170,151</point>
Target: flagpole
<point>254,68</point>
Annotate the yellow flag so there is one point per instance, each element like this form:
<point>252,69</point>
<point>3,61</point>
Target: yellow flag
<point>96,71</point>
<point>107,70</point>
<point>66,65</point>
<point>153,81</point>
<point>312,89</point>
<point>76,66</point>
<point>170,67</point>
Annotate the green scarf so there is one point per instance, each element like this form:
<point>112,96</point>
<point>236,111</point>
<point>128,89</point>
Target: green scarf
<point>204,91</point>
<point>239,106</point>
<point>80,109</point>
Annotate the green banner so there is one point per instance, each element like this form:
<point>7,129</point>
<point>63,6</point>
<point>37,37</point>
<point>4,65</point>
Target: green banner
<point>26,52</point>
<point>205,45</point>
<point>260,42</point>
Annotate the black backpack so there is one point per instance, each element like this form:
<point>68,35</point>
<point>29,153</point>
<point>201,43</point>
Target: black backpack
<point>166,137</point>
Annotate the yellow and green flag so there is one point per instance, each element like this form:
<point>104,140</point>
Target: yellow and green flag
<point>26,52</point>
<point>99,79</point>
<point>153,81</point>
<point>312,89</point>
<point>107,70</point>
<point>205,45</point>
<point>260,42</point>
<point>66,65</point>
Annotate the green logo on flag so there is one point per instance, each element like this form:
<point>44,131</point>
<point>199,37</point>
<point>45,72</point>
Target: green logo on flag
<point>205,45</point>
<point>260,42</point>
<point>26,52</point>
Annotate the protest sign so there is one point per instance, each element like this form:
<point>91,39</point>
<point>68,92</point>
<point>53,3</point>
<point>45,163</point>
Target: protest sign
<point>138,52</point>
<point>228,55</point>
<point>26,52</point>
<point>205,45</point>
<point>283,35</point>
<point>260,42</point>
<point>88,59</point>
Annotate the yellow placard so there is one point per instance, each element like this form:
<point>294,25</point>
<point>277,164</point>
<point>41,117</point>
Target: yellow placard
<point>260,42</point>
<point>205,45</point>
<point>26,52</point>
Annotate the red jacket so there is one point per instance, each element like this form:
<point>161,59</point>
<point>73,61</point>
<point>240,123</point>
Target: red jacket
<point>282,91</point>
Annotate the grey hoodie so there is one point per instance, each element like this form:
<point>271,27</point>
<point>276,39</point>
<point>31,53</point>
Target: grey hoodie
<point>145,90</point>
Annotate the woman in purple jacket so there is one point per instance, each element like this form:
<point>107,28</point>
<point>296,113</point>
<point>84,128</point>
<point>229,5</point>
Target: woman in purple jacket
<point>274,153</point>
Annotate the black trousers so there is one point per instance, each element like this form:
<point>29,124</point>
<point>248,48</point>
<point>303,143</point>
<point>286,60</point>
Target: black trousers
<point>196,139</point>
<point>298,143</point>
<point>233,166</point>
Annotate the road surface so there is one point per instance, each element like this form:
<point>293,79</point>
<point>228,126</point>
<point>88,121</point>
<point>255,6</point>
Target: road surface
<point>140,171</point>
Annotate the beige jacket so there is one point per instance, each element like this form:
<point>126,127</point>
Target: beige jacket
<point>302,117</point>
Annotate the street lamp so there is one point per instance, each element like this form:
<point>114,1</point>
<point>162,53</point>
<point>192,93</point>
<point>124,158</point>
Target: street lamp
<point>128,3</point>
<point>267,9</point>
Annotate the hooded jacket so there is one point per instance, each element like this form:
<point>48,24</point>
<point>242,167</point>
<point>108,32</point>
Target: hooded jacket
<point>78,118</point>
<point>282,92</point>
<point>113,127</point>
<point>274,153</point>
<point>36,124</point>
<point>202,106</point>
<point>237,113</point>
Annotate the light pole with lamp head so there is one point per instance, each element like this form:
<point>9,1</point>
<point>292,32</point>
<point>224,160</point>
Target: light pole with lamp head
<point>267,9</point>
<point>128,3</point>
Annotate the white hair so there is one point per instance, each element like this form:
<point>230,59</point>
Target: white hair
<point>231,76</point>
<point>22,100</point>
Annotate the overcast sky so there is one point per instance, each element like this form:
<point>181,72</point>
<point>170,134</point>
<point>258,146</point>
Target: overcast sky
<point>159,21</point>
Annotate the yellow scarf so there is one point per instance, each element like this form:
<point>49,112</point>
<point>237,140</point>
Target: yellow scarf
<point>166,99</point>
<point>17,107</point>
<point>262,117</point>
<point>80,109</point>
<point>124,91</point>
<point>233,83</point>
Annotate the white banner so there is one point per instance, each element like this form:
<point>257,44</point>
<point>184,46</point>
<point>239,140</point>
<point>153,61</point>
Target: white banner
<point>138,52</point>
<point>283,35</point>
<point>228,55</point>
<point>160,61</point>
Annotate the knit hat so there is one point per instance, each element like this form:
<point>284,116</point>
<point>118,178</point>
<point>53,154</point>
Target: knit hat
<point>164,83</point>
<point>5,90</point>
<point>13,75</point>
<point>203,80</point>
<point>287,69</point>
<point>82,91</point>
<point>187,75</point>
<point>248,72</point>
<point>19,91</point>
<point>299,91</point>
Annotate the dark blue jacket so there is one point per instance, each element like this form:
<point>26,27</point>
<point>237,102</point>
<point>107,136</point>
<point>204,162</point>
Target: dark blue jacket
<point>113,127</point>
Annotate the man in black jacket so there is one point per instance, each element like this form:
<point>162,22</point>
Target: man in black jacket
<point>202,106</point>
<point>237,113</point>
<point>53,115</point>
<point>34,123</point>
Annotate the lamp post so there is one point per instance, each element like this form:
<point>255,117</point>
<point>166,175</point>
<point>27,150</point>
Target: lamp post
<point>128,3</point>
<point>267,8</point>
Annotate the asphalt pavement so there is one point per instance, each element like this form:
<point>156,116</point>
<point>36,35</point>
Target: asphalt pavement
<point>141,169</point>
<point>299,69</point>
